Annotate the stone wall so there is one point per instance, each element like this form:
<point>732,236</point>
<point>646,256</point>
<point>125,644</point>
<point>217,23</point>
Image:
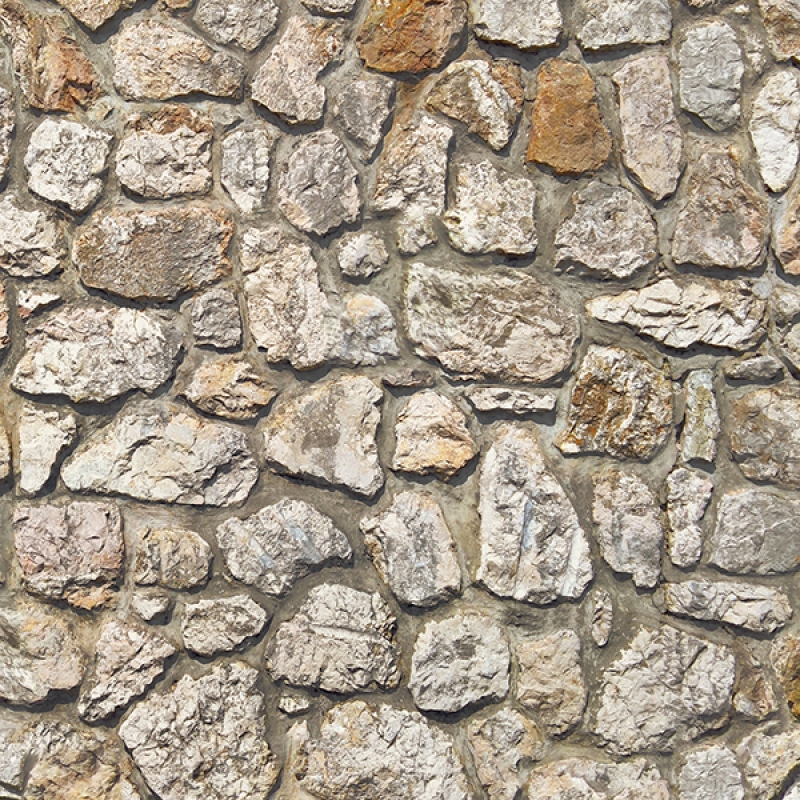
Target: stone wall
<point>399,399</point>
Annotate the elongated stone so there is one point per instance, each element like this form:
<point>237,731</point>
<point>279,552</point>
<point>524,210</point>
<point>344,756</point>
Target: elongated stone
<point>618,23</point>
<point>173,558</point>
<point>31,242</point>
<point>245,23</point>
<point>785,657</point>
<point>43,437</point>
<point>245,166</point>
<point>784,322</point>
<point>526,24</point>
<point>688,495</point>
<point>701,422</point>
<point>519,402</point>
<point>7,125</point>
<point>786,241</point>
<point>218,625</point>
<point>602,618</point>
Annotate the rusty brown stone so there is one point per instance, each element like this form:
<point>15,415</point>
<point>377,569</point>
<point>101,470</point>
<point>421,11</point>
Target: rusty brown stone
<point>411,35</point>
<point>786,241</point>
<point>782,23</point>
<point>786,658</point>
<point>567,132</point>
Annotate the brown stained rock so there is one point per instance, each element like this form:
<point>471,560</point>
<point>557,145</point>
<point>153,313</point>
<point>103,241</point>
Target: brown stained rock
<point>786,660</point>
<point>54,72</point>
<point>93,13</point>
<point>5,339</point>
<point>154,254</point>
<point>567,131</point>
<point>782,23</point>
<point>172,558</point>
<point>753,693</point>
<point>786,241</point>
<point>411,35</point>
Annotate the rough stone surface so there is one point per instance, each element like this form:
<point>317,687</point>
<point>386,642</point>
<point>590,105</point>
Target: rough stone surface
<point>341,640</point>
<point>701,422</point>
<point>608,233</point>
<point>533,548</point>
<point>785,657</point>
<point>216,626</point>
<point>710,773</point>
<point>621,405</point>
<point>519,402</point>
<point>245,171</point>
<point>413,550</point>
<point>362,107</point>
<point>618,23</point>
<point>156,451</point>
<point>93,13</point>
<point>65,162</point>
<point>784,322</point>
<point>173,558</point>
<point>205,740</point>
<point>151,605</point>
<point>8,119</point>
<point>73,553</point>
<point>154,255</point>
<point>43,436</point>
<point>526,24</point>
<point>5,456</point>
<point>767,760</point>
<point>244,23</point>
<point>782,23</point>
<point>688,495</point>
<point>361,255</point>
<point>31,242</point>
<point>216,320</point>
<point>280,544</point>
<point>756,368</point>
<point>680,684</point>
<point>602,617</point>
<point>550,680</point>
<point>786,241</point>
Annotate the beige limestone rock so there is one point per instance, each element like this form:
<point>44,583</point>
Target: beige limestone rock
<point>688,495</point>
<point>5,454</point>
<point>768,758</point>
<point>245,170</point>
<point>361,254</point>
<point>153,605</point>
<point>5,338</point>
<point>8,117</point>
<point>361,107</point>
<point>216,319</point>
<point>785,657</point>
<point>754,696</point>
<point>173,558</point>
<point>244,23</point>
<point>781,20</point>
<point>43,435</point>
<point>701,422</point>
<point>786,241</point>
<point>519,402</point>
<point>93,13</point>
<point>618,23</point>
<point>218,625</point>
<point>784,325</point>
<point>526,24</point>
<point>710,773</point>
<point>602,618</point>
<point>31,242</point>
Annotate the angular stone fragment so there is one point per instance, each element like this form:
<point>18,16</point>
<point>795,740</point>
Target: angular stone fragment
<point>230,388</point>
<point>7,125</point>
<point>681,315</point>
<point>173,558</point>
<point>43,437</point>
<point>152,606</point>
<point>724,221</point>
<point>755,368</point>
<point>527,24</point>
<point>785,657</point>
<point>567,132</point>
<point>157,59</point>
<point>701,422</point>
<point>680,684</point>
<point>486,96</point>
<point>5,455</point>
<point>204,740</point>
<point>65,162</point>
<point>355,757</point>
<point>784,323</point>
<point>244,23</point>
<point>458,662</point>
<point>608,233</point>
<point>782,23</point>
<point>361,107</point>
<point>621,405</point>
<point>334,7</point>
<point>216,626</point>
<point>602,617</point>
<point>493,211</point>
<point>745,605</point>
<point>216,320</point>
<point>652,141</point>
<point>286,83</point>
<point>710,774</point>
<point>166,153</point>
<point>774,121</point>
<point>786,241</point>
<point>414,550</point>
<point>93,13</point>
<point>73,553</point>
<point>501,745</point>
<point>767,759</point>
<point>533,548</point>
<point>519,402</point>
<point>127,661</point>
<point>617,23</point>
<point>628,526</point>
<point>280,544</point>
<point>341,640</point>
<point>97,353</point>
<point>361,254</point>
<point>754,697</point>
<point>327,432</point>
<point>318,188</point>
<point>156,451</point>
<point>39,654</point>
<point>501,325</point>
<point>411,35</point>
<point>368,331</point>
<point>688,494</point>
<point>550,680</point>
<point>756,531</point>
<point>245,166</point>
<point>293,703</point>
<point>31,242</point>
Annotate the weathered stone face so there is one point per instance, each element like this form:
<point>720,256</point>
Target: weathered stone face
<point>210,627</point>
<point>526,24</point>
<point>617,23</point>
<point>31,242</point>
<point>172,558</point>
<point>362,108</point>
<point>244,24</point>
<point>245,166</point>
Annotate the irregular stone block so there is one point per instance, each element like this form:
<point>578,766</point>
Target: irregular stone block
<point>688,495</point>
<point>216,320</point>
<point>245,166</point>
<point>519,402</point>
<point>701,422</point>
<point>219,625</point>
<point>781,20</point>
<point>768,758</point>
<point>8,118</point>
<point>244,23</point>
<point>710,773</point>
<point>619,23</point>
<point>94,13</point>
<point>31,242</point>
<point>361,254</point>
<point>785,657</point>
<point>362,107</point>
<point>43,436</point>
<point>527,24</point>
<point>173,558</point>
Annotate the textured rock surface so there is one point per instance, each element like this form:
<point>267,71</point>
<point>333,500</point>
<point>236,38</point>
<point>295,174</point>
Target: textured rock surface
<point>43,437</point>
<point>785,657</point>
<point>31,242</point>
<point>701,422</point>
<point>768,759</point>
<point>787,235</point>
<point>688,494</point>
<point>361,255</point>
<point>362,107</point>
<point>93,13</point>
<point>602,620</point>
<point>616,23</point>
<point>216,626</point>
<point>784,317</point>
<point>172,557</point>
<point>216,320</point>
<point>519,402</point>
<point>527,24</point>
<point>245,23</point>
<point>245,166</point>
<point>710,773</point>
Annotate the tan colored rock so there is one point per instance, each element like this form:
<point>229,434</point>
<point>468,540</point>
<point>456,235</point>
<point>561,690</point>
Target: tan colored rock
<point>361,107</point>
<point>785,657</point>
<point>701,422</point>
<point>93,13</point>
<point>754,695</point>
<point>31,242</point>
<point>360,254</point>
<point>782,23</point>
<point>5,454</point>
<point>619,23</point>
<point>172,558</point>
<point>218,625</point>
<point>519,402</point>
<point>786,242</point>
<point>567,132</point>
<point>245,171</point>
<point>43,435</point>
<point>5,339</point>
<point>784,325</point>
<point>245,23</point>
<point>688,495</point>
<point>216,319</point>
<point>8,117</point>
<point>411,35</point>
<point>768,758</point>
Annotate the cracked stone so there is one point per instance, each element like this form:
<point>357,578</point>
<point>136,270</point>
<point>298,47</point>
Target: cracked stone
<point>754,697</point>
<point>361,107</point>
<point>768,759</point>
<point>688,495</point>
<point>533,548</point>
<point>710,773</point>
<point>519,402</point>
<point>173,558</point>
<point>526,24</point>
<point>33,300</point>
<point>31,242</point>
<point>368,334</point>
<point>216,320</point>
<point>341,640</point>
<point>217,626</point>
<point>784,324</point>
<point>361,254</point>
<point>43,437</point>
<point>619,23</point>
<point>280,544</point>
<point>701,422</point>
<point>245,166</point>
<point>333,7</point>
<point>244,23</point>
<point>602,618</point>
<point>785,657</point>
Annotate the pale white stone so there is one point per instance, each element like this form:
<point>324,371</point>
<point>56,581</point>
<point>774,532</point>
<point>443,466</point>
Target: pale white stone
<point>616,23</point>
<point>767,758</point>
<point>361,107</point>
<point>209,627</point>
<point>527,24</point>
<point>43,437</point>
<point>245,23</point>
<point>602,617</point>
<point>31,242</point>
<point>688,495</point>
<point>519,402</point>
<point>701,422</point>
<point>245,166</point>
<point>216,320</point>
<point>361,254</point>
<point>710,774</point>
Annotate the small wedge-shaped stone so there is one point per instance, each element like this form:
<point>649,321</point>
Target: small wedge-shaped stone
<point>127,660</point>
<point>173,558</point>
<point>361,254</point>
<point>688,495</point>
<point>367,752</point>
<point>745,605</point>
<point>687,313</point>
<point>533,548</point>
<point>414,550</point>
<point>701,422</point>
<point>782,23</point>
<point>785,657</point>
<point>501,325</point>
<point>411,35</point>
<point>341,640</point>
<point>97,353</point>
<point>328,432</point>
<point>156,451</point>
<point>527,24</point>
<point>31,242</point>
<point>43,437</point>
<point>205,739</point>
<point>493,211</point>
<point>724,221</point>
<point>73,553</point>
<point>608,233</point>
<point>756,532</point>
<point>280,544</point>
<point>768,758</point>
<point>621,405</point>
<point>157,59</point>
<point>245,23</point>
<point>361,107</point>
<point>286,83</point>
<point>38,654</point>
<point>156,254</point>
<point>519,402</point>
<point>710,773</point>
<point>245,166</point>
<point>486,96</point>
<point>652,141</point>
<point>93,13</point>
<point>680,684</point>
<point>618,23</point>
<point>216,626</point>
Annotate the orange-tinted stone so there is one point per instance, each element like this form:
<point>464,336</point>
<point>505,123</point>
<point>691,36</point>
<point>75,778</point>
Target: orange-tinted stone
<point>786,658</point>
<point>567,132</point>
<point>411,35</point>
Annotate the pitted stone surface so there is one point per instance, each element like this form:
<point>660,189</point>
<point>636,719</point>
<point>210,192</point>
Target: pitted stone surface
<point>526,24</point>
<point>245,170</point>
<point>217,626</point>
<point>688,495</point>
<point>93,13</point>
<point>362,108</point>
<point>244,23</point>
<point>767,759</point>
<point>216,320</point>
<point>361,255</point>
<point>618,23</point>
<point>710,773</point>
<point>31,242</point>
<point>172,557</point>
